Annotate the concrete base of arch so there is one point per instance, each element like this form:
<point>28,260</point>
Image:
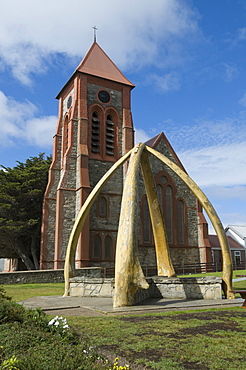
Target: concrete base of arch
<point>159,287</point>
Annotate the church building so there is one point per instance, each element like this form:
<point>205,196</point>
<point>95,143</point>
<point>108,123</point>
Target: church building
<point>94,130</point>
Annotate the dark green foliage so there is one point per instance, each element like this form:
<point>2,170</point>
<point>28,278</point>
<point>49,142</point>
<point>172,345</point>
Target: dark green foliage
<point>28,342</point>
<point>21,196</point>
<point>11,311</point>
<point>39,349</point>
<point>3,294</point>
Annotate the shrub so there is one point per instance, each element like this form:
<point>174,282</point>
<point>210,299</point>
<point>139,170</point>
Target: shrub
<point>11,311</point>
<point>3,294</point>
<point>30,340</point>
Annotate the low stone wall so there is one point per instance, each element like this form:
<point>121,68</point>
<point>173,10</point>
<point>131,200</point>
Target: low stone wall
<point>159,287</point>
<point>187,288</point>
<point>44,276</point>
<point>91,287</point>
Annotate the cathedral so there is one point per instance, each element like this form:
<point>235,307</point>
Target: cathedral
<point>94,130</point>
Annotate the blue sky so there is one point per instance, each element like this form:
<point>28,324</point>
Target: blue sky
<point>186,58</point>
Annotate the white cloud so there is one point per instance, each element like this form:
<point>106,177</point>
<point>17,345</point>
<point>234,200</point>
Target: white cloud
<point>168,82</point>
<point>19,125</point>
<point>243,100</point>
<point>30,34</point>
<point>219,165</point>
<point>229,202</point>
<point>242,33</point>
<point>40,131</point>
<point>202,133</point>
<point>230,71</point>
<point>226,192</point>
<point>141,136</point>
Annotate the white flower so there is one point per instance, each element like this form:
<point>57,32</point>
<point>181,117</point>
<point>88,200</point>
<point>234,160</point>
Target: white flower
<point>51,322</point>
<point>59,321</point>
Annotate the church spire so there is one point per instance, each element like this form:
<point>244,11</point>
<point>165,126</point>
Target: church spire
<point>95,33</point>
<point>97,63</point>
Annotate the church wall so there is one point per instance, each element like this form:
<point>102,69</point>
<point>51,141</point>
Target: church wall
<point>112,190</point>
<point>47,255</point>
<point>115,102</point>
<point>65,204</point>
<point>179,256</point>
<point>189,253</point>
<point>67,218</point>
<point>184,255</point>
<point>49,205</point>
<point>116,96</point>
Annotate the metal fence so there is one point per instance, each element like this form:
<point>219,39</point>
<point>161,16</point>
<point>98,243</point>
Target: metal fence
<point>185,269</point>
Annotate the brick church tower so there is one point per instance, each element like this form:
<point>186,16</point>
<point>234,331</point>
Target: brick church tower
<point>94,130</point>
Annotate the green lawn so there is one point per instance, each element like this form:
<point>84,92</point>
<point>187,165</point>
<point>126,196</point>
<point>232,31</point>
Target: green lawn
<point>201,340</point>
<point>18,292</point>
<point>235,272</point>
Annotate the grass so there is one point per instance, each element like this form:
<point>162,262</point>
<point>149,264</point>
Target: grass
<point>19,292</point>
<point>207,339</point>
<point>219,274</point>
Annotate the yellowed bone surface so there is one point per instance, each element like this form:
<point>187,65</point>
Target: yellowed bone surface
<point>129,276</point>
<point>164,263</point>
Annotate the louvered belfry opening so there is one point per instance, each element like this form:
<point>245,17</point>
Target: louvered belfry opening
<point>110,132</point>
<point>95,133</point>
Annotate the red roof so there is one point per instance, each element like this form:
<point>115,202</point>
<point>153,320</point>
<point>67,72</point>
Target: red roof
<point>97,63</point>
<point>214,241</point>
<point>155,141</point>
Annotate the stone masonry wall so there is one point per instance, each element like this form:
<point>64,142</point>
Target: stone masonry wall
<point>180,254</point>
<point>159,287</point>
<point>44,276</point>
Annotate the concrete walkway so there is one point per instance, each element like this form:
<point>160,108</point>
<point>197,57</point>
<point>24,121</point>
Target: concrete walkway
<point>93,306</point>
<point>239,279</point>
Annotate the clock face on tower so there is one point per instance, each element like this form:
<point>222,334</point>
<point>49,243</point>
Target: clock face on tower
<point>104,96</point>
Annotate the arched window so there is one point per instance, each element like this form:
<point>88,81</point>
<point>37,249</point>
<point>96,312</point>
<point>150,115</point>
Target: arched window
<point>108,247</point>
<point>180,222</point>
<point>65,136</point>
<point>169,213</point>
<point>173,209</point>
<point>146,222</point>
<point>102,207</point>
<point>97,247</point>
<point>159,191</point>
<point>95,133</point>
<point>110,135</point>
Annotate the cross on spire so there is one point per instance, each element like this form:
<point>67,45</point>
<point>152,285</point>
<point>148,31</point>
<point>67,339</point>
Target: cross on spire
<point>95,33</point>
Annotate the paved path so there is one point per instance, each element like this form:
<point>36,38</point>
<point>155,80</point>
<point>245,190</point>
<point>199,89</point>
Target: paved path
<point>239,279</point>
<point>93,306</point>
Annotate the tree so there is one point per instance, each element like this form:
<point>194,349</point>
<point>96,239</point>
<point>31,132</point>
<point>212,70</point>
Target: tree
<point>21,197</point>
